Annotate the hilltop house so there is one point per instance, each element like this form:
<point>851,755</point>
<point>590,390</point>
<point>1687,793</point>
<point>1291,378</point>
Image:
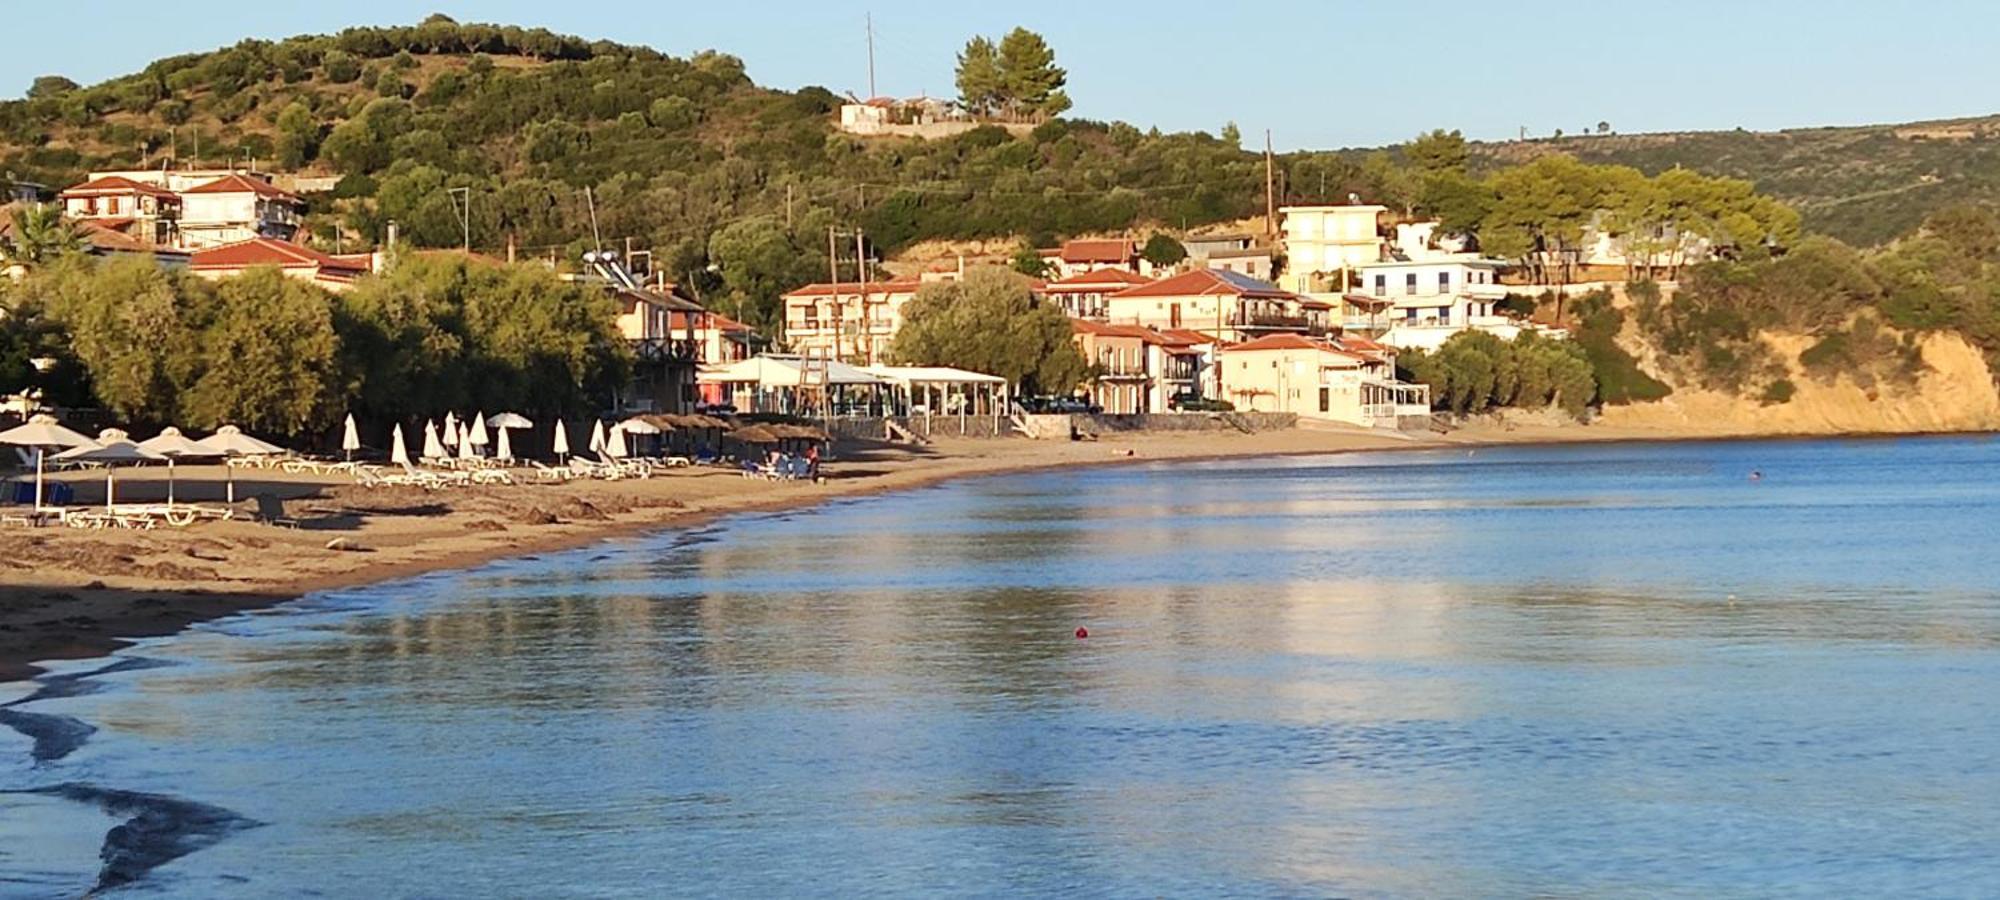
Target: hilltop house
<point>1228,306</point>
<point>1229,253</point>
<point>189,209</point>
<point>1080,256</point>
<point>1339,380</point>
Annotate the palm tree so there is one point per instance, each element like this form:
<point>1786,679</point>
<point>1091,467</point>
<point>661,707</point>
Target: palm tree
<point>39,234</point>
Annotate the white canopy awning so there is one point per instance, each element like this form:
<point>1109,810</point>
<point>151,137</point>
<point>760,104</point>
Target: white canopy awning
<point>783,371</point>
<point>907,375</point>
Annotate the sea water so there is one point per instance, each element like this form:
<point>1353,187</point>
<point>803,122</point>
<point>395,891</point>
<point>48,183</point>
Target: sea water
<point>1629,670</point>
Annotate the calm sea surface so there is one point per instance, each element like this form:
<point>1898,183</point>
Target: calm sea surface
<point>1590,671</point>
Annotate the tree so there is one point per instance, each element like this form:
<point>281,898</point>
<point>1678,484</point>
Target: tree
<point>1031,82</point>
<point>1030,261</point>
<point>1437,151</point>
<point>269,350</point>
<point>134,326</point>
<point>759,261</point>
<point>991,322</point>
<point>48,87</point>
<point>38,235</point>
<point>1232,135</point>
<point>1162,250</point>
<point>979,78</point>
<point>1603,127</point>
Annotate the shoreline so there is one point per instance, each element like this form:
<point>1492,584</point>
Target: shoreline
<point>62,607</point>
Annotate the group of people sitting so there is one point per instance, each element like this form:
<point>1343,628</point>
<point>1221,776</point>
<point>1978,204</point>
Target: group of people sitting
<point>781,466</point>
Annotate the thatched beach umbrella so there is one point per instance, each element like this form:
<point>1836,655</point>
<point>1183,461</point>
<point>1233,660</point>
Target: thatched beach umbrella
<point>755,434</point>
<point>42,433</point>
<point>175,446</point>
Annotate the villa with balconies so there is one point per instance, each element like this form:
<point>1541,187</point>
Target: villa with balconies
<point>1348,380</point>
<point>1227,306</point>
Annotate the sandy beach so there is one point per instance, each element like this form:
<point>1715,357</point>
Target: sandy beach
<point>75,594</point>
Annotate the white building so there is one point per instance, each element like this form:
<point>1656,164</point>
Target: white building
<point>1324,243</point>
<point>1449,291</point>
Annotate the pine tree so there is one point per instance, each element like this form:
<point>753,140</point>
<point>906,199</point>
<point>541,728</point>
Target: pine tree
<point>979,85</point>
<point>1030,79</point>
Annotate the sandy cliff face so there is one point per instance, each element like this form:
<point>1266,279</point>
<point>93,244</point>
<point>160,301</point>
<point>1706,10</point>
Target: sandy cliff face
<point>1955,393</point>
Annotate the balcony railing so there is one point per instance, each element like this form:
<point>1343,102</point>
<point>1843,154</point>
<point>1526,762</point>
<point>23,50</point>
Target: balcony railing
<point>659,350</point>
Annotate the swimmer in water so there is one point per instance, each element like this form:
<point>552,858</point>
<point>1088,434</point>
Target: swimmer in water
<point>1756,475</point>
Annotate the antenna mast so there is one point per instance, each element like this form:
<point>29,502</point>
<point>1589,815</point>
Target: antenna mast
<point>871,55</point>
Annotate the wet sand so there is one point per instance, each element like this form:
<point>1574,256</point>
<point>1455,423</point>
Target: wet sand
<point>72,594</point>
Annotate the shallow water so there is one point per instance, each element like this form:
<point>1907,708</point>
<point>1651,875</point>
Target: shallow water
<point>1617,670</point>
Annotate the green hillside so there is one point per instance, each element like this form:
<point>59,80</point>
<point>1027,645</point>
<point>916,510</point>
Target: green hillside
<point>1865,185</point>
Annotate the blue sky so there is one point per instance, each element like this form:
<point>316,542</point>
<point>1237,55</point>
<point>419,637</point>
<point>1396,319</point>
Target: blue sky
<point>1319,75</point>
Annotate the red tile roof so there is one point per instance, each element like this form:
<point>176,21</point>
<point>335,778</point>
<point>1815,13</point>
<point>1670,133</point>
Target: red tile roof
<point>1352,348</point>
<point>238,183</point>
<point>269,252</point>
<point>1096,280</point>
<point>117,184</point>
<point>1205,282</point>
<point>1186,336</point>
<point>826,289</point>
<point>1104,251</point>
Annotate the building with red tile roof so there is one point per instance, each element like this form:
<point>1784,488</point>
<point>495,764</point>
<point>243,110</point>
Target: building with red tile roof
<point>1319,377</point>
<point>237,207</point>
<point>1082,295</point>
<point>144,212</point>
<point>304,263</point>
<point>1228,306</point>
<point>849,322</point>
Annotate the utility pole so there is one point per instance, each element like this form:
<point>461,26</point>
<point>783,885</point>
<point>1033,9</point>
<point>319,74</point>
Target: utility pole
<point>871,55</point>
<point>1270,190</point>
<point>788,206</point>
<point>867,327</point>
<point>833,268</point>
<point>596,239</point>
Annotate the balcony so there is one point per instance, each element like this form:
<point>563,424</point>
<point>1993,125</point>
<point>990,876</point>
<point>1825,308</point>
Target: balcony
<point>665,350</point>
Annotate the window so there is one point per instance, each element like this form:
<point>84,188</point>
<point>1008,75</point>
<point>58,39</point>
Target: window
<point>1381,285</point>
<point>1444,282</point>
<point>1325,399</point>
<point>1409,284</point>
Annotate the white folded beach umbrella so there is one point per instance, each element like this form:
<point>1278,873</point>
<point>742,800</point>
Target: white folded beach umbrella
<point>451,428</point>
<point>350,438</point>
<point>42,432</point>
<point>479,435</point>
<point>562,439</point>
<point>466,450</point>
<point>398,453</point>
<point>233,442</point>
<point>596,436</point>
<point>433,448</point>
<point>113,453</point>
<point>175,446</point>
<point>614,441</point>
<point>505,448</point>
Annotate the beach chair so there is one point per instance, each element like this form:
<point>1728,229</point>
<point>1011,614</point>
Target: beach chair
<point>271,511</point>
<point>492,476</point>
<point>551,474</point>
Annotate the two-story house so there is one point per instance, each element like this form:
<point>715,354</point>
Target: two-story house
<point>1340,380</point>
<point>849,322</point>
<point>1081,296</point>
<point>1228,306</point>
<point>335,273</point>
<point>237,207</point>
<point>144,212</point>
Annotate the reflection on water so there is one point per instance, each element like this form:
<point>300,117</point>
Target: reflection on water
<point>1581,671</point>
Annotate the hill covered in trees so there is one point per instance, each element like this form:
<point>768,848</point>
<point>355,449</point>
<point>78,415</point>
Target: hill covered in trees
<point>560,142</point>
<point>1865,185</point>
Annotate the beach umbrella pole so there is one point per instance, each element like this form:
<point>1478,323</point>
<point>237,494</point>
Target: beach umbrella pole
<point>39,453</point>
<point>170,482</point>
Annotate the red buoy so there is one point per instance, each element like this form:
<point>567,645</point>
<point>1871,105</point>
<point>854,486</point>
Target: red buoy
<point>1082,633</point>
